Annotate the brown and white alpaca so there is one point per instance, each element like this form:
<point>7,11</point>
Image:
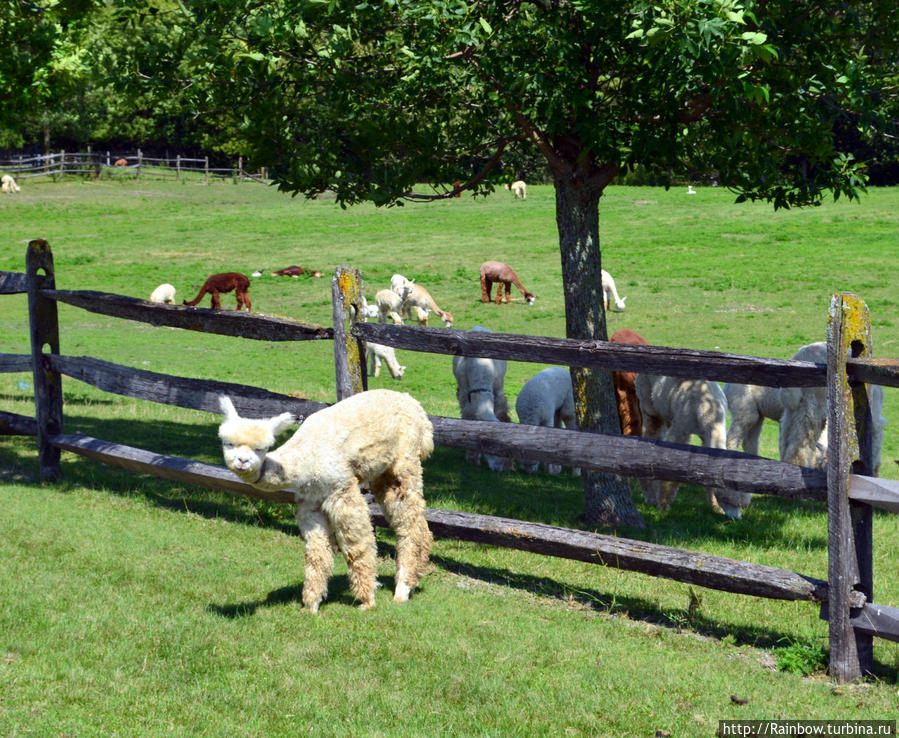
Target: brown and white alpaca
<point>419,303</point>
<point>291,271</point>
<point>629,414</point>
<point>504,276</point>
<point>225,282</point>
<point>379,437</point>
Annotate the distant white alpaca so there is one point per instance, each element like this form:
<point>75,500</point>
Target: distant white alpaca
<point>519,190</point>
<point>164,294</point>
<point>8,184</point>
<point>389,305</point>
<point>377,352</point>
<point>421,304</point>
<point>673,410</point>
<point>610,293</point>
<point>368,312</point>
<point>481,395</point>
<point>378,437</point>
<point>547,400</point>
<point>401,286</point>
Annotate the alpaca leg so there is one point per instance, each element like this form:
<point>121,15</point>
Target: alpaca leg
<point>319,557</point>
<point>347,512</point>
<point>243,300</point>
<point>499,293</point>
<point>486,286</point>
<point>508,292</point>
<point>216,300</point>
<point>403,504</point>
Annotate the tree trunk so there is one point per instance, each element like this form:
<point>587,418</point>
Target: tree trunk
<point>607,497</point>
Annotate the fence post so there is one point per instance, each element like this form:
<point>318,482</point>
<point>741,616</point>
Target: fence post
<point>43,318</point>
<point>140,159</point>
<point>206,168</point>
<point>240,169</point>
<point>349,354</point>
<point>62,163</point>
<point>849,529</point>
<point>177,167</point>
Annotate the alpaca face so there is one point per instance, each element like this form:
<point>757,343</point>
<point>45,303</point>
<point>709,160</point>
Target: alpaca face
<point>245,442</point>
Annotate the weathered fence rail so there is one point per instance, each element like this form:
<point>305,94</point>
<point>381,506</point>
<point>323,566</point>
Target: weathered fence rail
<point>846,598</point>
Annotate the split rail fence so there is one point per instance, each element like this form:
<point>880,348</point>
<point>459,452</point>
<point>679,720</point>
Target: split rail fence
<point>96,164</point>
<point>846,598</point>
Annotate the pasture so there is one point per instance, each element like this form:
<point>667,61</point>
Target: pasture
<point>138,606</point>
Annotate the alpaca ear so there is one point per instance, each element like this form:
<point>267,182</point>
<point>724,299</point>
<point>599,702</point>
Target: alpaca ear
<point>282,422</point>
<point>623,299</point>
<point>228,407</point>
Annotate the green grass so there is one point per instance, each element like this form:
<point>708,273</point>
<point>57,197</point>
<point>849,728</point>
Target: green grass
<point>133,606</point>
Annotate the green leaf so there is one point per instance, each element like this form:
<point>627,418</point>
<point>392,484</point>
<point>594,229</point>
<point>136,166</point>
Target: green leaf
<point>486,26</point>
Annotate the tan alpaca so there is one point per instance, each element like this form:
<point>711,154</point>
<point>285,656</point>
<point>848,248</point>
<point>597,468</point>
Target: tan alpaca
<point>378,437</point>
<point>421,302</point>
<point>225,282</point>
<point>504,276</point>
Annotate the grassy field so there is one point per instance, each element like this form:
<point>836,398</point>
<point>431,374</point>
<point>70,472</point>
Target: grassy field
<point>131,606</point>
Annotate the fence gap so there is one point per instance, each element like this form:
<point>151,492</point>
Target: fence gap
<point>849,535</point>
<point>349,352</point>
<point>44,326</point>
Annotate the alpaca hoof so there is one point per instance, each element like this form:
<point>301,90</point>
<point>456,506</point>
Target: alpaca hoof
<point>401,594</point>
<point>367,605</point>
<point>311,609</point>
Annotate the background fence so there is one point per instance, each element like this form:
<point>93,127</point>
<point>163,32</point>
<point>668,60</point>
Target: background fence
<point>846,598</point>
<point>108,164</point>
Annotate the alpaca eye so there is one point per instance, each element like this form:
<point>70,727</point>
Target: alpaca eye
<point>227,445</point>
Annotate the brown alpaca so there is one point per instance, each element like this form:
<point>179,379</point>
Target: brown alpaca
<point>291,271</point>
<point>225,282</point>
<point>496,271</point>
<point>120,163</point>
<point>629,413</point>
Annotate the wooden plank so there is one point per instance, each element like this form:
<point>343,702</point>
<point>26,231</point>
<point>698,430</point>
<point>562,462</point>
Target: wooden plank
<point>13,424</point>
<point>848,526</point>
<point>882,493</point>
<point>15,363</point>
<point>877,620</point>
<point>349,354</point>
<point>44,329</point>
<point>705,570</point>
<point>196,394</point>
<point>184,471</point>
<point>675,362</point>
<point>12,283</point>
<point>631,456</point>
<point>223,322</point>
<point>714,572</point>
<point>873,370</point>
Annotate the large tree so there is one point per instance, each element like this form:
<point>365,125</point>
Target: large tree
<point>373,100</point>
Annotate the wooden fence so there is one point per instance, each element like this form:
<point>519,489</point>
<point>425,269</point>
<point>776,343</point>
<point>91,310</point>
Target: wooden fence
<point>846,598</point>
<point>97,164</point>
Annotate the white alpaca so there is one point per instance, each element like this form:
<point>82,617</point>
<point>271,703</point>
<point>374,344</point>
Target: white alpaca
<point>804,416</point>
<point>673,410</point>
<point>481,395</point>
<point>389,305</point>
<point>401,286</point>
<point>164,294</point>
<point>519,190</point>
<point>9,184</point>
<point>610,293</point>
<point>421,303</point>
<point>377,352</point>
<point>368,312</point>
<point>547,400</point>
<point>378,437</point>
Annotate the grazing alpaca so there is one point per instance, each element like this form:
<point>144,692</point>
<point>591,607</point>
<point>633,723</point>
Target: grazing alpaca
<point>377,353</point>
<point>804,416</point>
<point>422,303</point>
<point>673,410</point>
<point>610,293</point>
<point>629,414</point>
<point>164,294</point>
<point>378,437</point>
<point>9,185</point>
<point>389,305</point>
<point>547,400</point>
<point>519,189</point>
<point>479,389</point>
<point>503,274</point>
<point>225,282</point>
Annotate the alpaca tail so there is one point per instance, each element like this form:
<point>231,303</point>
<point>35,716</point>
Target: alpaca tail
<point>197,298</point>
